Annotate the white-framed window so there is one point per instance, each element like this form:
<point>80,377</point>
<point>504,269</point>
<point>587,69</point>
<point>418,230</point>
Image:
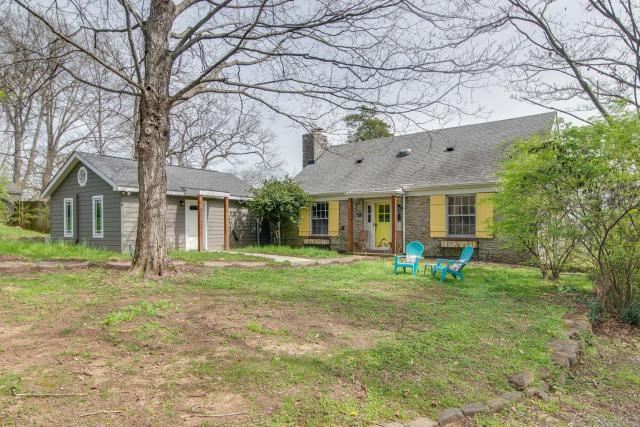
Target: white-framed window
<point>320,219</point>
<point>97,211</point>
<point>67,217</point>
<point>461,215</point>
<point>82,176</point>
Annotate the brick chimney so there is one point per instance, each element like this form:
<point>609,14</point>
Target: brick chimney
<point>313,144</point>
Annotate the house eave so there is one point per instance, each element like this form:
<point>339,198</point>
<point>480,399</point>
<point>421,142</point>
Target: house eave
<point>190,192</point>
<point>408,189</point>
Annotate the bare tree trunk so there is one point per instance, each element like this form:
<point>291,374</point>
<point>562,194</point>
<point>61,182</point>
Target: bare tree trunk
<point>49,164</point>
<point>152,144</point>
<point>17,154</point>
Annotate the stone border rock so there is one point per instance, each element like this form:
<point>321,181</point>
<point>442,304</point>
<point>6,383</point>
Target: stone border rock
<point>565,353</point>
<point>19,264</point>
<point>245,264</point>
<point>125,265</point>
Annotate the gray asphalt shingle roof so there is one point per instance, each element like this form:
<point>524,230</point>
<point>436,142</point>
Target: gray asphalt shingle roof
<point>124,173</point>
<point>476,152</point>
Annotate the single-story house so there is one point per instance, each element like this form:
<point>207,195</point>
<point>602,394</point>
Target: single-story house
<point>93,199</point>
<point>432,186</point>
<point>14,195</point>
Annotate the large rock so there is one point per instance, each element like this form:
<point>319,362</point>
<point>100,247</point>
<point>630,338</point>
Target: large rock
<point>422,422</point>
<point>522,380</point>
<point>471,409</point>
<point>564,352</point>
<point>450,415</point>
<point>578,324</point>
<point>513,396</point>
<point>538,393</point>
<point>118,265</point>
<point>497,404</point>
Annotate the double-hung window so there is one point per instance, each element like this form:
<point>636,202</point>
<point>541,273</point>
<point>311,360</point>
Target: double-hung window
<point>67,217</point>
<point>98,216</point>
<point>320,219</point>
<point>461,215</point>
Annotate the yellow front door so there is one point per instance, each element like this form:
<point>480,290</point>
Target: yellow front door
<point>383,225</point>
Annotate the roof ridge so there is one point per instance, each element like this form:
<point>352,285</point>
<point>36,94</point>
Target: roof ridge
<point>134,160</point>
<point>442,129</point>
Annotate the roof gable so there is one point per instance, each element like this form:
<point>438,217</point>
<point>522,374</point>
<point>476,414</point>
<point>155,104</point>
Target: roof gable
<point>476,150</point>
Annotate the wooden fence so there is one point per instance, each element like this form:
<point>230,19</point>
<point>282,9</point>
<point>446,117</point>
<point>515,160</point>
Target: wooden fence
<point>32,215</point>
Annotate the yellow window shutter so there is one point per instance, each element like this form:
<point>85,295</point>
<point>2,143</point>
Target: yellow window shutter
<point>334,218</point>
<point>303,228</point>
<point>437,216</point>
<point>484,216</point>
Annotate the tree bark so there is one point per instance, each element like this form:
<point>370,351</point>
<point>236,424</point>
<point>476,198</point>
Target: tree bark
<point>150,255</point>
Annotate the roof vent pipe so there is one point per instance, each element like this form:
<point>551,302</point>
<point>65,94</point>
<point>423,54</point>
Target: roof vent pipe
<point>404,152</point>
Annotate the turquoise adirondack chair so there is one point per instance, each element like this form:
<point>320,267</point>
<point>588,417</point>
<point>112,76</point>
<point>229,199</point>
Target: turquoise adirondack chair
<point>410,259</point>
<point>451,266</point>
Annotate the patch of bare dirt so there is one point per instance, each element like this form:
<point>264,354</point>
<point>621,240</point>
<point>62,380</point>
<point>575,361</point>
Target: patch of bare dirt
<point>64,348</point>
<point>619,330</point>
<point>4,258</point>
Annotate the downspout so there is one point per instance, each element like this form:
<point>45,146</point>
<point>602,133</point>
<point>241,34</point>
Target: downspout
<point>404,215</point>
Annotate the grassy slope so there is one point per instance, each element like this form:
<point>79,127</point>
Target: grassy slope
<point>37,250</point>
<point>304,252</point>
<point>12,233</point>
<point>430,346</point>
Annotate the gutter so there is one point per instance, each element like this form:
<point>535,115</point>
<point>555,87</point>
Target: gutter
<point>404,189</point>
<point>191,193</point>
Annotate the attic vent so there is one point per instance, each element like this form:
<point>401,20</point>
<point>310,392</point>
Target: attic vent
<point>404,152</point>
<point>358,161</point>
<point>448,149</point>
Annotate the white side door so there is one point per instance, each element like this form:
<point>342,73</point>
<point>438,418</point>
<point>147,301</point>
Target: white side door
<point>191,224</point>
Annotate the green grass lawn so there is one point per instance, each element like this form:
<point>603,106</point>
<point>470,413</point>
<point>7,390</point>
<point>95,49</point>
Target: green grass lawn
<point>303,252</point>
<point>30,245</point>
<point>332,345</point>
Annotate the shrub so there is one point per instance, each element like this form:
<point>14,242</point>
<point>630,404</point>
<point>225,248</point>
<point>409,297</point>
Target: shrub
<point>596,311</point>
<point>631,315</point>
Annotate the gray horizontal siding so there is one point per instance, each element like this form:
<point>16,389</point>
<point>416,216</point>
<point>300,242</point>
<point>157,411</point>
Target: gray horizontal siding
<point>243,226</point>
<point>83,221</point>
<point>215,224</point>
<point>175,222</point>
